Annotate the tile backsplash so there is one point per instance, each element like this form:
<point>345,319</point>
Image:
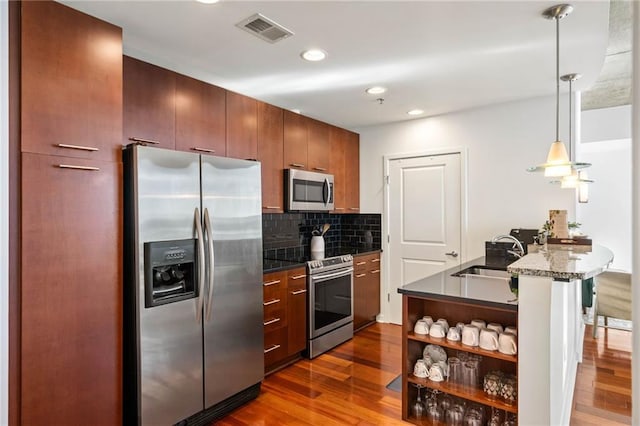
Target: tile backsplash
<point>288,235</point>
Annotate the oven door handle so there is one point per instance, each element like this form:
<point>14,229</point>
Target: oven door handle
<point>333,275</point>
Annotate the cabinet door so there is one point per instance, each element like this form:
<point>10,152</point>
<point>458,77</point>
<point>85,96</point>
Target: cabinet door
<point>318,146</point>
<point>295,140</point>
<point>242,126</point>
<point>297,312</point>
<point>200,116</point>
<point>352,172</point>
<point>149,103</point>
<point>270,152</point>
<point>372,290</point>
<point>337,138</point>
<point>71,90</point>
<point>359,299</point>
<point>71,291</point>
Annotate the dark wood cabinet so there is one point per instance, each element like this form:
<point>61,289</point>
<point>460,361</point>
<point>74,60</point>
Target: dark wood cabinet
<point>149,103</point>
<point>352,173</point>
<point>71,313</point>
<point>285,317</point>
<point>337,138</point>
<point>71,90</point>
<point>200,116</point>
<point>366,289</point>
<point>295,141</point>
<point>318,146</point>
<point>270,154</point>
<point>242,126</point>
<point>297,311</point>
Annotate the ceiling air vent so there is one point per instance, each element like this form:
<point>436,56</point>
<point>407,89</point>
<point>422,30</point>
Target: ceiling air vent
<point>263,27</point>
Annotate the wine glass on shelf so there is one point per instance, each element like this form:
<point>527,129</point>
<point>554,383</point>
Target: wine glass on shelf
<point>418,409</point>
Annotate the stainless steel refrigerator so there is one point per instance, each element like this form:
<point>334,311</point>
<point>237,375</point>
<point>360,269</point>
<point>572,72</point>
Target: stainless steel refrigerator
<point>193,331</point>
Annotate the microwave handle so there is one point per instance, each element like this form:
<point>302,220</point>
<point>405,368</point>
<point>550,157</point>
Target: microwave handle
<point>326,192</point>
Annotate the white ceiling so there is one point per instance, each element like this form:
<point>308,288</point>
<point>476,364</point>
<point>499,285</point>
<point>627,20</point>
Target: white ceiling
<point>436,56</point>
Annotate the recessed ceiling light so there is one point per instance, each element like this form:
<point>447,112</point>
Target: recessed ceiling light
<point>314,55</point>
<point>376,90</point>
<point>415,112</point>
<point>207,1</point>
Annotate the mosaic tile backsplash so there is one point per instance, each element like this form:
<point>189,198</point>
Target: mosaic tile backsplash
<point>287,236</point>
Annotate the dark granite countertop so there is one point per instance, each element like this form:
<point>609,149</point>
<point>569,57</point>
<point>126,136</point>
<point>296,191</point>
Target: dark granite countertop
<point>274,265</point>
<point>470,289</point>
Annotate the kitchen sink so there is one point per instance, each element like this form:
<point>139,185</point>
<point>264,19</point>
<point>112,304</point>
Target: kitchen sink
<point>483,271</point>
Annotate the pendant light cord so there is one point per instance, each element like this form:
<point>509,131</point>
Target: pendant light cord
<point>557,78</point>
<point>570,117</point>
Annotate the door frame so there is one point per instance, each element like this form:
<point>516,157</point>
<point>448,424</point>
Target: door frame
<point>385,287</point>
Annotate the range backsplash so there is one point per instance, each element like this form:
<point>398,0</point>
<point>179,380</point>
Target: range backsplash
<point>288,235</point>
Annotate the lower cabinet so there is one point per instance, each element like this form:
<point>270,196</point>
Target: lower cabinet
<point>285,317</point>
<point>496,401</point>
<point>366,289</point>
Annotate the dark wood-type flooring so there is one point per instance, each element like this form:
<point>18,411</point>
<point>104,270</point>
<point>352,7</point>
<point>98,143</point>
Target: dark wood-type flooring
<point>347,386</point>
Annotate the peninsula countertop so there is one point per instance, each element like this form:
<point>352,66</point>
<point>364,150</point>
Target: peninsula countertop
<point>564,262</point>
<point>494,292</point>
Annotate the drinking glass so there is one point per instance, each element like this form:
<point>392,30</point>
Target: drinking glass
<point>455,371</point>
<point>496,417</point>
<point>509,390</point>
<point>455,414</point>
<point>510,420</point>
<point>435,413</point>
<point>418,408</point>
<point>492,385</point>
<point>474,415</point>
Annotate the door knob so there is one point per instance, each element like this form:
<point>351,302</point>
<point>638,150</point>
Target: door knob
<point>452,253</point>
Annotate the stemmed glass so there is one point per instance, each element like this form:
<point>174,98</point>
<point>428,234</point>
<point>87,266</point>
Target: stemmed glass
<point>418,408</point>
<point>435,413</point>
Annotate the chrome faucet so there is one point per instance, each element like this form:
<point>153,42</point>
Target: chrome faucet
<point>516,244</point>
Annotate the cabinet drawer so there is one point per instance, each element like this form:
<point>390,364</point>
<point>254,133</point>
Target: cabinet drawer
<point>295,276</point>
<point>275,346</point>
<point>360,264</point>
<point>275,314</point>
<point>274,285</point>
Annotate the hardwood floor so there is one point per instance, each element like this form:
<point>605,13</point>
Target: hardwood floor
<point>602,394</point>
<point>347,386</point>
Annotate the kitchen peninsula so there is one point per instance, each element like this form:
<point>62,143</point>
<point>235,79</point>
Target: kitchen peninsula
<point>546,310</point>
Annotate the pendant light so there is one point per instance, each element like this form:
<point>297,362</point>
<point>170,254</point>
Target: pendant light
<point>558,162</point>
<point>576,178</point>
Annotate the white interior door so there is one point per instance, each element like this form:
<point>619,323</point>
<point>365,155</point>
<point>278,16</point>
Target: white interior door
<point>424,208</point>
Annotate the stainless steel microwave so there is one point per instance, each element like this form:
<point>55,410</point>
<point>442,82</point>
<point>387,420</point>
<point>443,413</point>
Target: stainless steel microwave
<point>308,191</point>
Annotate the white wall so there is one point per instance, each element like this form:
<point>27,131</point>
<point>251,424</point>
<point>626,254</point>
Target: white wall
<point>635,401</point>
<point>606,124</point>
<point>4,208</point>
<point>502,141</point>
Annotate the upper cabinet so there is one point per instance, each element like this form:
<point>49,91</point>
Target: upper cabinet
<point>270,153</point>
<point>318,146</point>
<point>149,104</point>
<point>200,116</point>
<point>338,138</point>
<point>242,126</point>
<point>82,119</point>
<point>352,173</point>
<point>306,143</point>
<point>295,141</point>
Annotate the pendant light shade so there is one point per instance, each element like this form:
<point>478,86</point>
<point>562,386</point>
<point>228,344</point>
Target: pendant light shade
<point>558,163</point>
<point>583,187</point>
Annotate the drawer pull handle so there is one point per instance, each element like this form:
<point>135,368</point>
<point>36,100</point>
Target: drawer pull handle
<point>210,151</point>
<point>272,208</point>
<point>271,302</point>
<point>271,283</point>
<point>339,208</point>
<point>271,348</point>
<point>354,208</point>
<point>70,166</point>
<point>295,293</point>
<point>273,321</point>
<point>143,141</point>
<point>375,271</point>
<point>375,260</point>
<point>297,277</point>
<point>320,169</point>
<point>297,165</point>
<point>361,263</point>
<point>360,275</point>
<point>81,148</point>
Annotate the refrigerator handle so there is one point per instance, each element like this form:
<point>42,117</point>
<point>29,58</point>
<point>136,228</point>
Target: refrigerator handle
<point>201,264</point>
<point>207,227</point>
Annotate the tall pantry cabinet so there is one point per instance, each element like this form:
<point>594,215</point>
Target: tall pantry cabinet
<point>71,231</point>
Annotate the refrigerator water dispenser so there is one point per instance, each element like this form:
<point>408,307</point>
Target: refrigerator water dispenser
<point>169,272</point>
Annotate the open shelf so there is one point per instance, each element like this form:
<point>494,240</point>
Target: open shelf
<point>475,395</point>
<point>459,346</point>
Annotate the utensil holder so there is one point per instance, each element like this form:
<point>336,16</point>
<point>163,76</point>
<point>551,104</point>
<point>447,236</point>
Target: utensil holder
<point>317,247</point>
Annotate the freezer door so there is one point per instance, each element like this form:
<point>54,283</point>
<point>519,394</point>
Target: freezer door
<point>170,335</point>
<point>233,323</point>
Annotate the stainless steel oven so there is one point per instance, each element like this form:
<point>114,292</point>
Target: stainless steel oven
<point>330,303</point>
<point>308,191</point>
